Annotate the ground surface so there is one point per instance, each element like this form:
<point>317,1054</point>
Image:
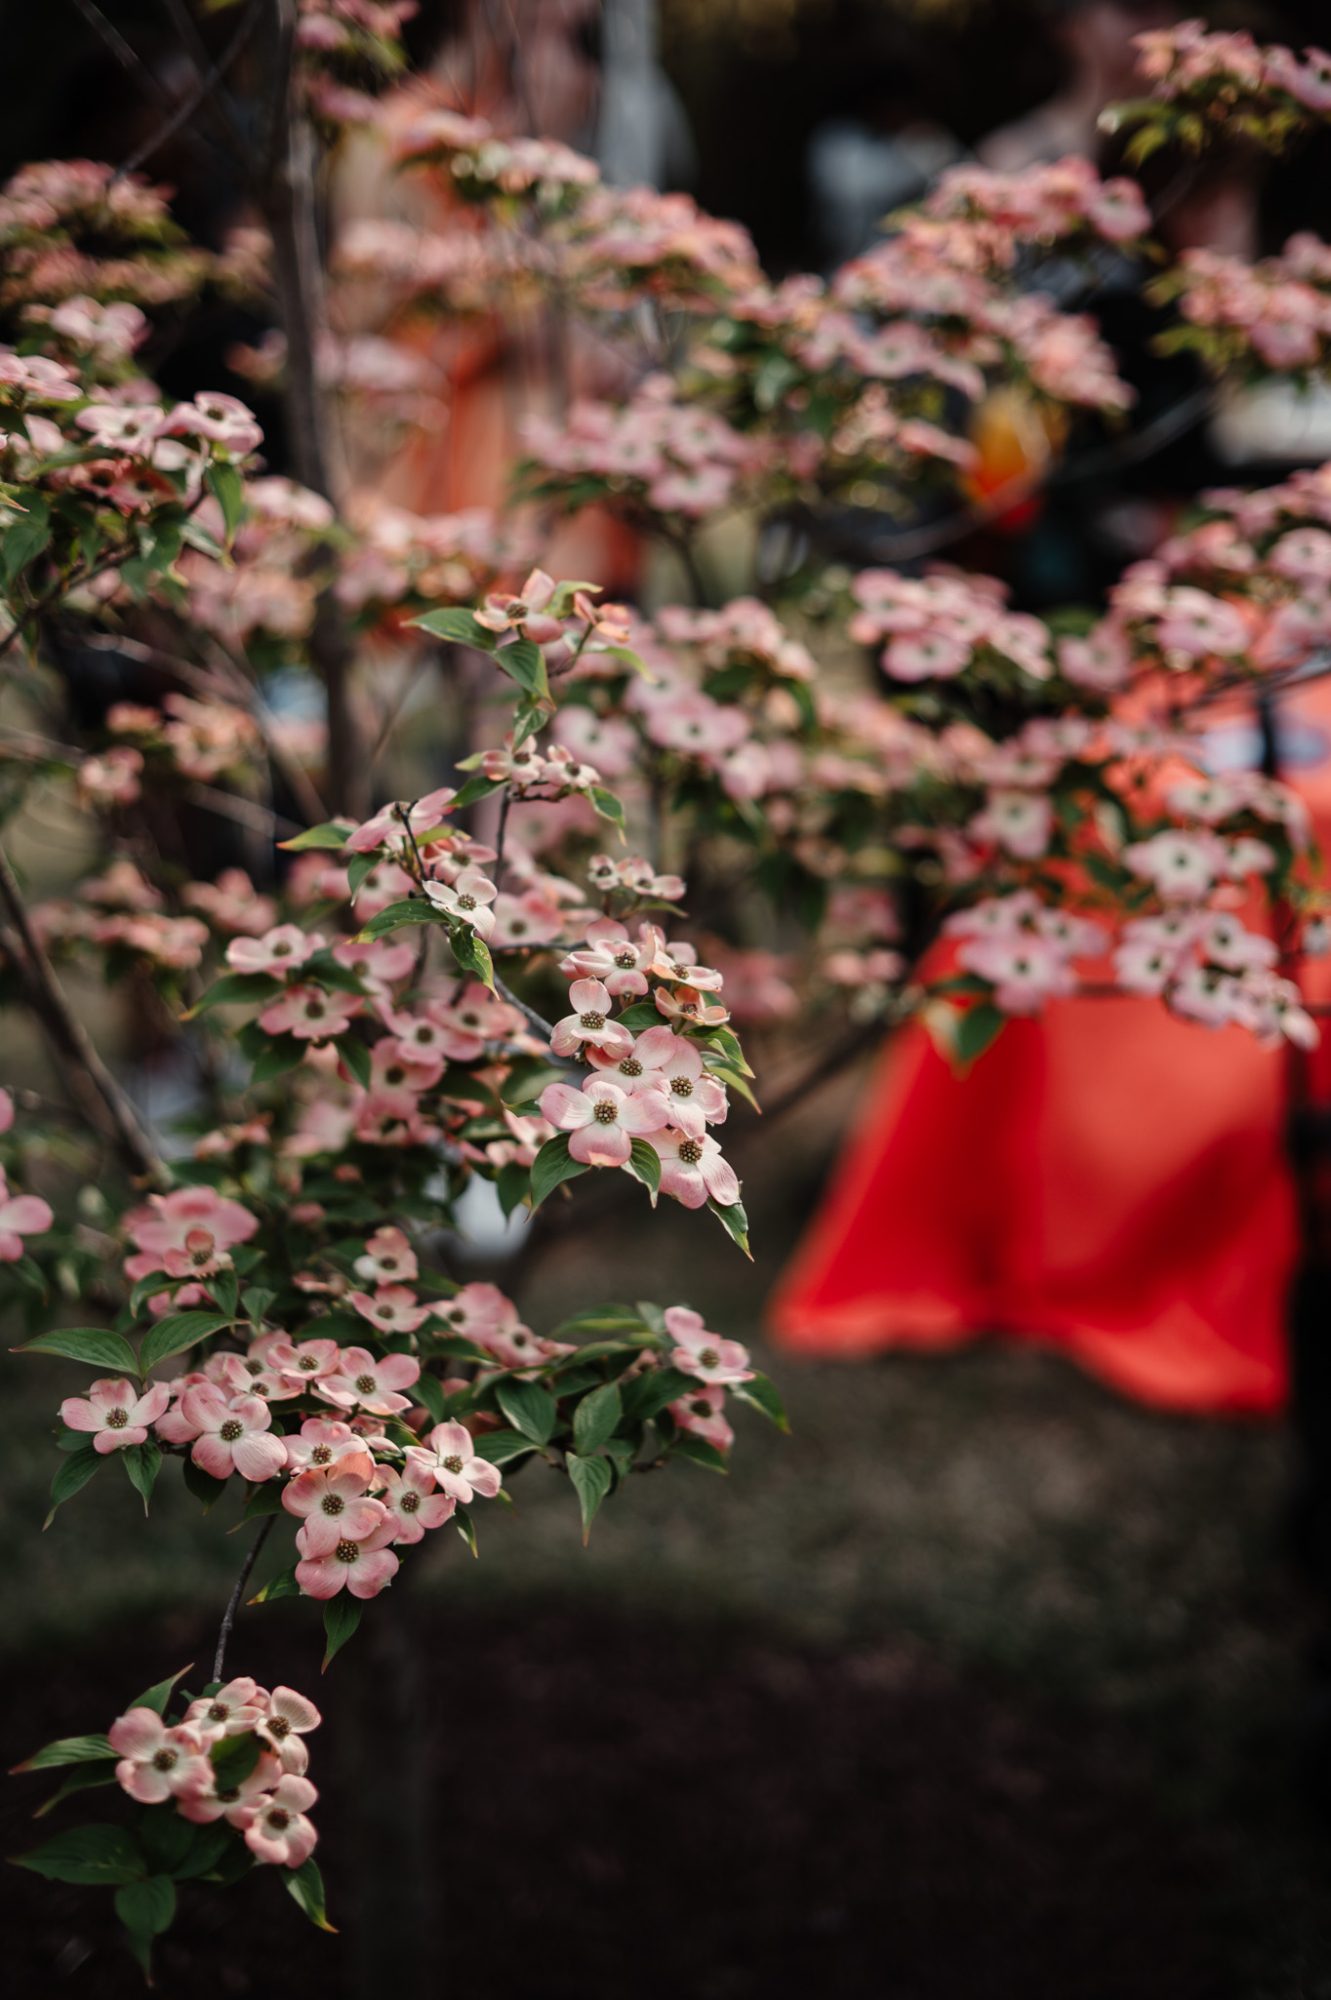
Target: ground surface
<point>982,1684</point>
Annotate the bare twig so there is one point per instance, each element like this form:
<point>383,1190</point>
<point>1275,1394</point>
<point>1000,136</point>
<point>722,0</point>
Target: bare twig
<point>87,1074</point>
<point>128,58</point>
<point>237,1592</point>
<point>205,83</point>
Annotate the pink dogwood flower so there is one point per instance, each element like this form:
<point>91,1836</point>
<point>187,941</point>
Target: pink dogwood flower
<point>602,1119</point>
<point>662,1060</point>
<point>309,1013</point>
<point>698,1352</point>
<point>234,1434</point>
<point>468,898</point>
<point>387,1259</point>
<point>290,1717</point>
<point>693,1169</point>
<point>392,1309</point>
<point>456,1468</point>
<point>280,1830</point>
<point>363,1565</point>
<point>20,1215</point>
<point>280,951</point>
<point>157,1762</point>
<point>589,1024</point>
<point>331,1503</point>
<point>366,1384</point>
<point>411,1500</point>
<point>116,1412</point>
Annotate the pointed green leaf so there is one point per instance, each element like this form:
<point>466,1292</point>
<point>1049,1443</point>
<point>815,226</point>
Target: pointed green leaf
<point>552,1166</point>
<point>455,623</point>
<point>176,1333</point>
<point>529,1408</point>
<point>763,1396</point>
<point>106,1855</point>
<point>596,1418</point>
<point>71,1475</point>
<point>592,1479</point>
<point>67,1750</point>
<point>342,1615</point>
<point>332,835</point>
<point>147,1908</point>
<point>305,1885</point>
<point>97,1345</point>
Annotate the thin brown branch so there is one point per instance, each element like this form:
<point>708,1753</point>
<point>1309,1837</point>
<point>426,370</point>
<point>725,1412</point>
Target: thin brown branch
<point>237,1592</point>
<point>86,1073</point>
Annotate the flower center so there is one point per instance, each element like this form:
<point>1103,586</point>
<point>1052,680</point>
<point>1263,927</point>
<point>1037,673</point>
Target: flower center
<point>709,1357</point>
<point>279,1819</point>
<point>231,1430</point>
<point>682,1086</point>
<point>308,1364</point>
<point>282,950</point>
<point>322,1455</point>
<point>348,1552</point>
<point>690,1152</point>
<point>278,1727</point>
<point>604,1112</point>
<point>165,1760</point>
<point>332,1503</point>
<point>218,1712</point>
<point>626,959</point>
<point>466,902</point>
<point>117,1419</point>
<point>630,1067</point>
<point>453,1463</point>
<point>592,1020</point>
<point>409,1503</point>
<point>365,1383</point>
<point>314,1010</point>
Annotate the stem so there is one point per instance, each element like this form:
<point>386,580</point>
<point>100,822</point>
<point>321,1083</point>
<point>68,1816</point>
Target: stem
<point>102,1096</point>
<point>237,1592</point>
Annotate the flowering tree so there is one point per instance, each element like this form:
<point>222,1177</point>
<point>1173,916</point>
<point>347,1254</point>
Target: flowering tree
<point>390,1003</point>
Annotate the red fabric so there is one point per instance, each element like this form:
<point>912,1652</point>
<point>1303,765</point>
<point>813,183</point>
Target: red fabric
<point>1107,1179</point>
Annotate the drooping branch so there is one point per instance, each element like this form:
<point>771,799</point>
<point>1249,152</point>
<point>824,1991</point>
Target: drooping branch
<point>88,1076</point>
<point>237,1592</point>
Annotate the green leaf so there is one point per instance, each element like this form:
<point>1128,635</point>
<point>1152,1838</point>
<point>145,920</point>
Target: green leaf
<point>592,1479</point>
<point>648,1393</point>
<point>524,662</point>
<point>67,1750</point>
<point>25,537</point>
<point>735,1223</point>
<point>142,1463</point>
<point>455,623</point>
<point>607,806</point>
<point>105,1855</point>
<point>699,1452</point>
<point>762,1395</point>
<point>645,1165</point>
<point>410,910</point>
<point>235,989</point>
<point>513,1185</point>
<point>306,1885</point>
<point>551,1167</point>
<point>97,1345</point>
<point>332,834</point>
<point>282,1585</point>
<point>147,1908</point>
<point>477,787</point>
<point>529,1408</point>
<point>71,1475</point>
<point>642,1014</point>
<point>83,1778</point>
<point>233,1758</point>
<point>977,1028</point>
<point>228,489</point>
<point>498,1447</point>
<point>342,1615</point>
<point>202,1484</point>
<point>177,1332</point>
<point>205,1849</point>
<point>356,1057</point>
<point>159,1694</point>
<point>473,955</point>
<point>596,1418</point>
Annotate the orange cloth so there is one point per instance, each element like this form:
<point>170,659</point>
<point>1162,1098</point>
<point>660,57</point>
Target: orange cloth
<point>1108,1179</point>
